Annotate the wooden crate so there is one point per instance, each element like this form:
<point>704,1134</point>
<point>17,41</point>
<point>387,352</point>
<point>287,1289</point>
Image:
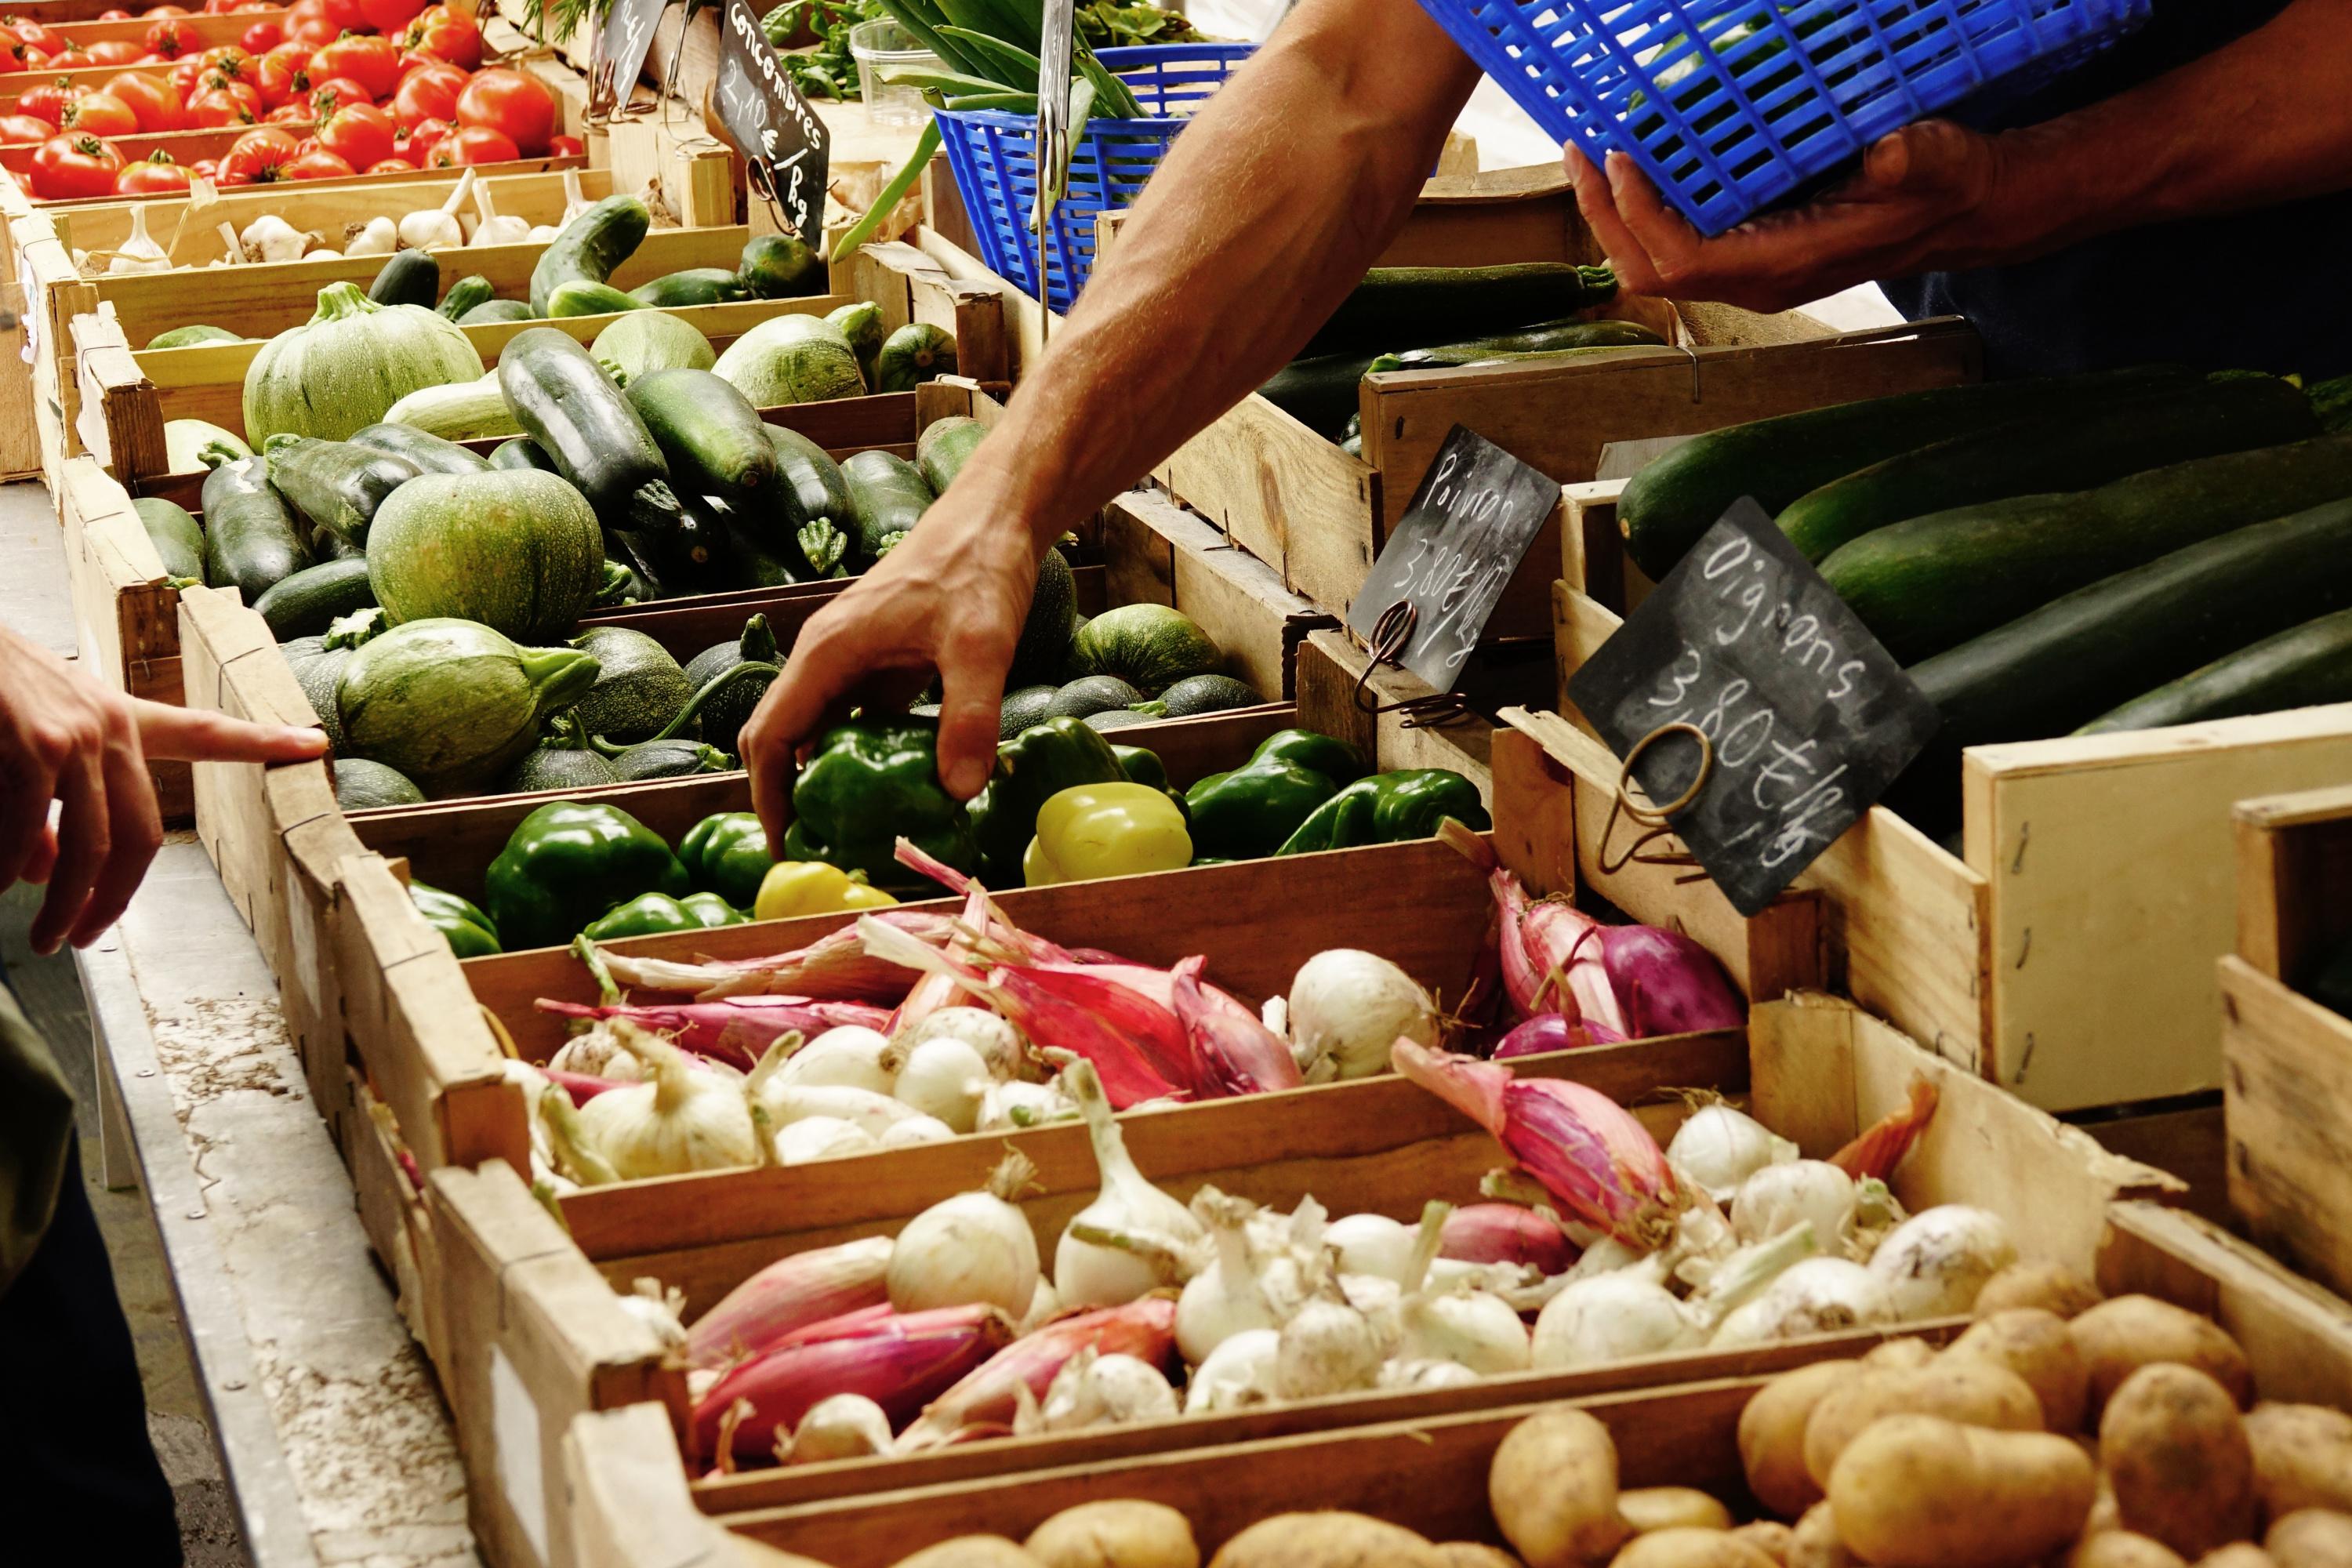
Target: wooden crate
<point>1158,552</point>
<point>2066,952</point>
<point>126,612</point>
<point>1342,692</point>
<point>392,1212</point>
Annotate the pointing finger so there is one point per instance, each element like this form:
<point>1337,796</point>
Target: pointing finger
<point>199,735</point>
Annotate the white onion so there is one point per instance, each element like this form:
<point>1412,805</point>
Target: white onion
<point>974,1247</point>
<point>1351,1007</point>
<point>1000,1045</point>
<point>786,1103</point>
<point>658,1309</point>
<point>849,1057</point>
<point>1817,1296</point>
<point>1719,1148</point>
<point>1934,1263</point>
<point>1160,1241</point>
<point>1476,1328</point>
<point>1238,1374</point>
<point>1045,1306</point>
<point>1778,1198</point>
<point>1420,1375</point>
<point>1227,1297</point>
<point>1610,1317</point>
<point>1372,1244</point>
<point>840,1427</point>
<point>1008,1107</point>
<point>942,1078</point>
<point>915,1130</point>
<point>820,1138</point>
<point>681,1120</point>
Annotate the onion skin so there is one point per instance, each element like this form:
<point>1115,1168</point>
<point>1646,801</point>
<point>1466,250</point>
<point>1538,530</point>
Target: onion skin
<point>1554,1032</point>
<point>1230,1053</point>
<point>736,1031</point>
<point>1667,984</point>
<point>1145,1330</point>
<point>791,1294</point>
<point>834,967</point>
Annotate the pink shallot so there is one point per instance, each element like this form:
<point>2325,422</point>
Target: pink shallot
<point>983,1404</point>
<point>736,1029</point>
<point>1231,1055</point>
<point>582,1086</point>
<point>834,967</point>
<point>1554,1032</point>
<point>789,1295</point>
<point>1507,1233</point>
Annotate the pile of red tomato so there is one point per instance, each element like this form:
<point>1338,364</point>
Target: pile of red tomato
<point>340,88</point>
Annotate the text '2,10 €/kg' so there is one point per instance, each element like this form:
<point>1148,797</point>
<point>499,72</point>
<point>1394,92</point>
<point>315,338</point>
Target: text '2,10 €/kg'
<point>786,147</point>
<point>1808,718</point>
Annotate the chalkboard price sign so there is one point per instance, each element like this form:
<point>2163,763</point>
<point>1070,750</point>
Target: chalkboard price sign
<point>1808,719</point>
<point>786,146</point>
<point>1469,526</point>
<point>621,45</point>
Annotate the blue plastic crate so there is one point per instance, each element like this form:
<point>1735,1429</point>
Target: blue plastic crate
<point>1731,104</point>
<point>993,156</point>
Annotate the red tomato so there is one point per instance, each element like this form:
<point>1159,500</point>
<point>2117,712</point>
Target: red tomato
<point>29,58</point>
<point>184,75</point>
<point>117,14</point>
<point>256,5</point>
<point>164,11</point>
<point>219,7</point>
<point>113,52</point>
<point>295,112</point>
<point>100,114</point>
<point>475,145</point>
<point>429,92</point>
<point>391,166</point>
<point>46,101</point>
<point>328,91</point>
<point>389,17</point>
<point>216,80</point>
<point>257,157</point>
<point>17,130</point>
<point>451,34</point>
<point>150,98</point>
<point>205,169</point>
<point>262,38</point>
<point>211,110</point>
<point>359,133</point>
<point>308,20</point>
<point>72,57</point>
<point>565,146</point>
<point>318,163</point>
<point>171,37</point>
<point>70,166</point>
<point>228,57</point>
<point>283,73</point>
<point>156,175</point>
<point>373,63</point>
<point>46,40</point>
<point>517,107</point>
<point>416,142</point>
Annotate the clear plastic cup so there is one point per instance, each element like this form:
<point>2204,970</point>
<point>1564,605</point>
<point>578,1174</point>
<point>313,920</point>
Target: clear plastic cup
<point>879,43</point>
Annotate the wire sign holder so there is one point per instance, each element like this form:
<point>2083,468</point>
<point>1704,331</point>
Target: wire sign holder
<point>786,148</point>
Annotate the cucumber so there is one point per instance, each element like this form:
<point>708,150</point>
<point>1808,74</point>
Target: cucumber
<point>1552,338</point>
<point>177,538</point>
<point>188,337</point>
<point>522,452</point>
<point>774,265</point>
<point>2061,450</point>
<point>306,604</point>
<point>251,541</point>
<point>1407,307</point>
<point>2302,667</point>
<point>695,286</point>
<point>886,497</point>
<point>337,485</point>
<point>915,353</point>
<point>589,248</point>
<point>809,482</point>
<point>407,277</point>
<point>582,297</point>
<point>1320,392</point>
<point>943,448</point>
<point>1670,503</point>
<point>1931,583</point>
<point>464,294</point>
<point>430,453</point>
<point>709,434</point>
<point>566,404</point>
<point>490,312</point>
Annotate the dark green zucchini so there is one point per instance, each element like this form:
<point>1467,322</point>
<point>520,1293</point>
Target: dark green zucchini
<point>1931,583</point>
<point>251,539</point>
<point>712,438</point>
<point>669,760</point>
<point>1397,308</point>
<point>695,286</point>
<point>2063,450</point>
<point>431,454</point>
<point>306,604</point>
<point>2302,666</point>
<point>407,277</point>
<point>1555,337</point>
<point>1670,503</point>
<point>774,265</point>
<point>338,485</point>
<point>1320,392</point>
<point>886,496</point>
<point>943,448</point>
<point>808,481</point>
<point>753,562</point>
<point>490,312</point>
<point>177,536</point>
<point>521,452</point>
<point>590,246</point>
<point>464,294</point>
<point>564,402</point>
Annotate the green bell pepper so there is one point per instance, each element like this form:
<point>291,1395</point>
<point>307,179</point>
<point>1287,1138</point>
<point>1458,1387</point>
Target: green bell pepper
<point>568,863</point>
<point>656,914</point>
<point>1140,766</point>
<point>1249,812</point>
<point>1326,754</point>
<point>872,782</point>
<point>1032,768</point>
<point>727,854</point>
<point>1388,808</point>
<point>469,931</point>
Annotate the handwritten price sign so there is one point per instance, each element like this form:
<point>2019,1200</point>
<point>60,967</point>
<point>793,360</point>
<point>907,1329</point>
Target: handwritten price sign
<point>1808,719</point>
<point>770,124</point>
<point>621,45</point>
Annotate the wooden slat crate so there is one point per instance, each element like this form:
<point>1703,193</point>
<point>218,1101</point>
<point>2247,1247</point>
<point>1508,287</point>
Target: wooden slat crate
<point>2067,953</point>
<point>2287,1057</point>
<point>1342,692</point>
<point>126,616</point>
<point>1158,552</point>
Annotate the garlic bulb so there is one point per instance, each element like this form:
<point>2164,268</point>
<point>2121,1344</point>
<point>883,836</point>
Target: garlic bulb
<point>659,1310</point>
<point>1095,1390</point>
<point>323,254</point>
<point>1000,1045</point>
<point>1238,1374</point>
<point>593,1052</point>
<point>271,238</point>
<point>495,229</point>
<point>679,1121</point>
<point>139,253</point>
<point>575,200</point>
<point>541,233</point>
<point>377,237</point>
<point>430,227</point>
<point>1328,1347</point>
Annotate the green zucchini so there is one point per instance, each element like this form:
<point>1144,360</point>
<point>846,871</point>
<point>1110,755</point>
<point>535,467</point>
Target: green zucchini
<point>251,539</point>
<point>490,312</point>
<point>522,452</point>
<point>407,277</point>
<point>2302,667</point>
<point>1320,392</point>
<point>188,337</point>
<point>2063,450</point>
<point>362,785</point>
<point>1398,307</point>
<point>861,324</point>
<point>709,434</point>
<point>695,286</point>
<point>431,454</point>
<point>565,403</point>
<point>809,482</point>
<point>581,297</point>
<point>1931,583</point>
<point>311,600</point>
<point>1670,503</point>
<point>1552,338</point>
<point>886,496</point>
<point>751,561</point>
<point>177,538</point>
<point>774,265</point>
<point>943,448</point>
<point>338,485</point>
<point>915,353</point>
<point>464,294</point>
<point>589,248</point>
<point>457,410</point>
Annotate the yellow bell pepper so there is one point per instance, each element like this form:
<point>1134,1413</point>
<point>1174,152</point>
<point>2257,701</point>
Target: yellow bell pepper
<point>1105,830</point>
<point>812,888</point>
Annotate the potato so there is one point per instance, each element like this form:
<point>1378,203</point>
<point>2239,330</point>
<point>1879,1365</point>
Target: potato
<point>2243,1554</point>
<point>1327,1540</point>
<point>1814,1542</point>
<point>1771,1537</point>
<point>1682,1547</point>
<point>2118,1338</point>
<point>1772,1434</point>
<point>2311,1538</point>
<point>1899,1354</point>
<point>1971,1389</point>
<point>1920,1491</point>
<point>2034,1344</point>
<point>2177,1453</point>
<point>2052,1287</point>
<point>1553,1488</point>
<point>1114,1535</point>
<point>2303,1456</point>
<point>1666,1508</point>
<point>1473,1555</point>
<point>970,1551</point>
<point>2122,1549</point>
